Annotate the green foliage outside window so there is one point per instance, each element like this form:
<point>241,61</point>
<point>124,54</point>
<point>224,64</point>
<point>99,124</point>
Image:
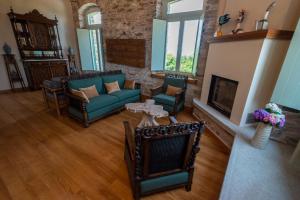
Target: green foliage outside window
<point>186,63</point>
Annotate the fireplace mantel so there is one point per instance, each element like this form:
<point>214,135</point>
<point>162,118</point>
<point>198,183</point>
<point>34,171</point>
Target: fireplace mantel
<point>254,35</point>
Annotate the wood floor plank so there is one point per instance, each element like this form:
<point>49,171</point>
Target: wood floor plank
<point>46,157</point>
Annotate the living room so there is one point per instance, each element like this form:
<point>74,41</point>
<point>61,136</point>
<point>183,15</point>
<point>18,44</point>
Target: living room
<point>149,99</point>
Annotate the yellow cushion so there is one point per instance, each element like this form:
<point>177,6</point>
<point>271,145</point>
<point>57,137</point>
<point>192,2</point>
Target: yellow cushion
<point>112,87</point>
<point>90,92</point>
<point>129,84</point>
<point>172,91</point>
<point>80,94</point>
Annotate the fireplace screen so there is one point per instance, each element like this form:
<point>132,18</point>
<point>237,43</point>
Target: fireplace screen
<point>222,94</point>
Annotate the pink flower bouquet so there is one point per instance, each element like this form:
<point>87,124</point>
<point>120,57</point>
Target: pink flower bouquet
<point>272,115</point>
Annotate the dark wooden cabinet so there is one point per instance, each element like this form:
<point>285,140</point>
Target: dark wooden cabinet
<point>39,70</point>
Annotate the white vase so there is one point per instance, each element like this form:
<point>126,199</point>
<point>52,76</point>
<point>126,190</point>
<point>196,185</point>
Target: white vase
<point>261,137</point>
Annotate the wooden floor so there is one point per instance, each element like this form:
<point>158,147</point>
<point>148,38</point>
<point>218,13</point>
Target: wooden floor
<point>45,157</point>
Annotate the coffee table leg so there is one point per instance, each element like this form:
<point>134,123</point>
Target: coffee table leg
<point>147,120</point>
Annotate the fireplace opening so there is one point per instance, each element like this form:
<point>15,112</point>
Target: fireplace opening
<point>222,94</point>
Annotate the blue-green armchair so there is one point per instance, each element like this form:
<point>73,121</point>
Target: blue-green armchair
<point>172,104</point>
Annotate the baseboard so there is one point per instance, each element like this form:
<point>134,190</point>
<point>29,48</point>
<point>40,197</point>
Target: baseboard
<point>9,91</point>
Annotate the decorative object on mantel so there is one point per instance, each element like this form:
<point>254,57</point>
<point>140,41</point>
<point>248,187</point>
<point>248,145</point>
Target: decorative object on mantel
<point>239,21</point>
<point>6,49</point>
<point>263,24</point>
<point>13,70</point>
<point>224,19</point>
<point>267,117</point>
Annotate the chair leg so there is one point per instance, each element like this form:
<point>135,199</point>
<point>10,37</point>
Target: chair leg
<point>188,187</point>
<point>136,196</point>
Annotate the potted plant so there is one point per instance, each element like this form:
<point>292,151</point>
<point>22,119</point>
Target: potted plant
<point>267,117</point>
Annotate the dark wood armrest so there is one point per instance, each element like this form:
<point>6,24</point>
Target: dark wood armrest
<point>173,120</point>
<point>179,96</point>
<point>137,85</point>
<point>52,90</point>
<point>129,135</point>
<point>156,91</point>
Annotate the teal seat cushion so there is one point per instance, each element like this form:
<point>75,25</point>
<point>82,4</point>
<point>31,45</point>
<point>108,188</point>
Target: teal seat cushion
<point>102,111</point>
<point>170,109</point>
<point>112,78</point>
<point>164,99</point>
<point>83,83</point>
<point>125,94</point>
<point>101,101</point>
<point>165,181</point>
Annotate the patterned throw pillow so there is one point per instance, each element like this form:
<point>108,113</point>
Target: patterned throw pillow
<point>80,94</point>
<point>90,92</point>
<point>112,87</point>
<point>129,84</point>
<point>172,91</point>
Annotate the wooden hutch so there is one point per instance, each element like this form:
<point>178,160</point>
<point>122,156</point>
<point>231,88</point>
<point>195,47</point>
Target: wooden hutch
<point>39,46</point>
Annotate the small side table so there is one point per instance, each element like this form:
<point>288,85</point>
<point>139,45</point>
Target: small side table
<point>55,97</point>
<point>150,112</point>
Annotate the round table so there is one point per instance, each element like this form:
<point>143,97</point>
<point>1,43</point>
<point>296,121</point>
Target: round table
<point>150,112</point>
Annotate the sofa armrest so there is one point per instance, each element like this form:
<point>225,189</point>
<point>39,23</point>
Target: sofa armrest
<point>77,102</point>
<point>129,137</point>
<point>156,91</point>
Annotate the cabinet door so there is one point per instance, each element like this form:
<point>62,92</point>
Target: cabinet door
<point>58,69</point>
<point>39,72</point>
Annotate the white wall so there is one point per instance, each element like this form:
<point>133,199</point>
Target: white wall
<point>266,74</point>
<point>49,8</point>
<point>255,64</point>
<point>283,16</point>
<point>236,61</point>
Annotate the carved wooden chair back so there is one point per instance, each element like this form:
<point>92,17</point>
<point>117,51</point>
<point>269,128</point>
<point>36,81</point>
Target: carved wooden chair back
<point>164,150</point>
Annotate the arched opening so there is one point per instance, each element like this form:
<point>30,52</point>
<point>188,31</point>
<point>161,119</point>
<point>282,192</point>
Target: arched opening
<point>90,37</point>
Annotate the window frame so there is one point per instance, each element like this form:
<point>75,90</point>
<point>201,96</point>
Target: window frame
<point>98,29</point>
<point>181,18</point>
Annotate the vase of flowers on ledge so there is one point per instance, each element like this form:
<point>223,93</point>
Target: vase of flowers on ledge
<point>267,117</point>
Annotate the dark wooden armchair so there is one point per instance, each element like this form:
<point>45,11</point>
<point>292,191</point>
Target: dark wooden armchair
<point>161,158</point>
<point>172,104</point>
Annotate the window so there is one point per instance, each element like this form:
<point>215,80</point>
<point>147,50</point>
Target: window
<point>182,34</point>
<point>184,6</point>
<point>90,41</point>
<point>94,18</point>
<point>94,26</point>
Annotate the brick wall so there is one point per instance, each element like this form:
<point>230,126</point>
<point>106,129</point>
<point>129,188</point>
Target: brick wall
<point>125,19</point>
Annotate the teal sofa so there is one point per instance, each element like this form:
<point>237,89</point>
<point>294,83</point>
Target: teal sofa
<point>104,104</point>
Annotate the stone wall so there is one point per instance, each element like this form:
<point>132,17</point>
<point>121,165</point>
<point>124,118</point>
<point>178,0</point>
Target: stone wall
<point>123,19</point>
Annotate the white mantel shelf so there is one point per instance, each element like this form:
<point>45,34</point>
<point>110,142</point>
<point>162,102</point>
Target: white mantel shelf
<point>253,173</point>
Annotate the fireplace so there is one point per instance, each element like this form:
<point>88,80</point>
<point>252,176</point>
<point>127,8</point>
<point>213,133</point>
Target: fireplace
<point>222,94</point>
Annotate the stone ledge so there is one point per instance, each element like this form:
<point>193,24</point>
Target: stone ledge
<point>162,75</point>
<point>216,122</point>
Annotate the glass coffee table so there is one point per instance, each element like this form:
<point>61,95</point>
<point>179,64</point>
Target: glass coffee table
<point>150,112</point>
